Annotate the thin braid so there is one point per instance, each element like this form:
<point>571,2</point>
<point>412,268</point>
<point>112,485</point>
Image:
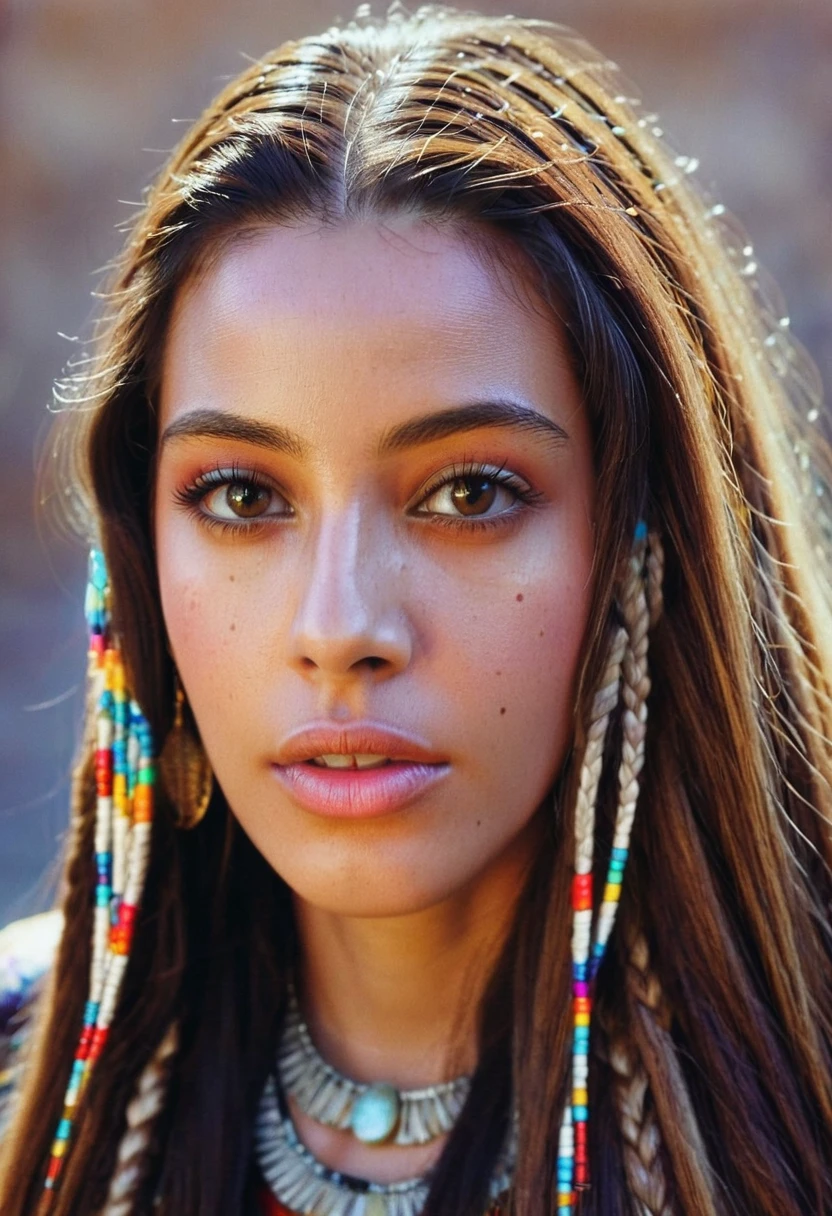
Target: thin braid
<point>604,702</point>
<point>642,1140</point>
<point>640,604</point>
<point>655,576</point>
<point>649,1014</point>
<point>572,1142</point>
<point>143,1111</point>
<point>634,690</point>
<point>650,1045</point>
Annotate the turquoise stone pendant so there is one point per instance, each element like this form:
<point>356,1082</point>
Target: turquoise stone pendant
<point>375,1114</point>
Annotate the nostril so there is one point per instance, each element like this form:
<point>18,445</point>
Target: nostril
<point>373,661</point>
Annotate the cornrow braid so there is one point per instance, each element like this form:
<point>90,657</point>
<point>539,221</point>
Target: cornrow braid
<point>143,1112</point>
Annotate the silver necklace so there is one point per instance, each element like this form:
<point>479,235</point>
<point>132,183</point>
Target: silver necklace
<point>373,1113</point>
<point>305,1185</point>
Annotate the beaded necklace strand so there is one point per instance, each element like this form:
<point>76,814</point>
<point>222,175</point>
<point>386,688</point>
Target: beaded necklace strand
<point>124,778</point>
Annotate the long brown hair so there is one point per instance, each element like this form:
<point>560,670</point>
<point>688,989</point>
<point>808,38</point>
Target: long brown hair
<point>711,1087</point>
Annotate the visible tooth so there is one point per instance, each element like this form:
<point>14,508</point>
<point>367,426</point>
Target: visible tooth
<point>335,761</point>
<point>365,761</point>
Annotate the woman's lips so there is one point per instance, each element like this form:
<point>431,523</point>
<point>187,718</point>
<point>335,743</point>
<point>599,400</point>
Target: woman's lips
<point>350,793</point>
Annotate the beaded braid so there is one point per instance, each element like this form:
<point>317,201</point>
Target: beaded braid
<point>572,1144</point>
<point>125,775</point>
<point>636,686</point>
<point>143,1110</point>
<point>640,607</point>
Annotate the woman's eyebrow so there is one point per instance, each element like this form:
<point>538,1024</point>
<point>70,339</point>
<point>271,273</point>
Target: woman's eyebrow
<point>499,413</point>
<point>427,428</point>
<point>223,424</point>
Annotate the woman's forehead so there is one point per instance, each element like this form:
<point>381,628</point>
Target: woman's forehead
<point>392,309</point>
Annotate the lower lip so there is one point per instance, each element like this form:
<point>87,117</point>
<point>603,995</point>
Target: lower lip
<point>349,793</point>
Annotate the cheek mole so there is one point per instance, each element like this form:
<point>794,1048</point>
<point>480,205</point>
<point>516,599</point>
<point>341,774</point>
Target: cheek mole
<point>519,597</point>
<point>502,709</point>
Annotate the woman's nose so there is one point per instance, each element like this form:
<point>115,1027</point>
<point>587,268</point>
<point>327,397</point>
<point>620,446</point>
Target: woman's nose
<point>350,617</point>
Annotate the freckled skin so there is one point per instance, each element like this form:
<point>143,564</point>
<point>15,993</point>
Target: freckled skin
<point>340,334</point>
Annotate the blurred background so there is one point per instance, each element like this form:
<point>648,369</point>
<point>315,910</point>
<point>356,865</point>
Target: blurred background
<point>93,93</point>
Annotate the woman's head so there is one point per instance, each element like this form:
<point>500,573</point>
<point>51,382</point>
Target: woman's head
<point>392,221</point>
<point>387,263</point>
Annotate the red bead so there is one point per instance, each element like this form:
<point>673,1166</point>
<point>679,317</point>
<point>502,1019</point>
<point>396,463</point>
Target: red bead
<point>98,1041</point>
<point>581,892</point>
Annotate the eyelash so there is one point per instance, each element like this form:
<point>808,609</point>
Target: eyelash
<point>526,496</point>
<point>191,496</point>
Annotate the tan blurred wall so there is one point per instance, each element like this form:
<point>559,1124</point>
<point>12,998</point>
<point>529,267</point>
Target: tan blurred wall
<point>88,89</point>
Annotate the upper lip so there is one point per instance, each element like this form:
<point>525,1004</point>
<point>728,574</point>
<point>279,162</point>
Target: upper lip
<point>356,738</point>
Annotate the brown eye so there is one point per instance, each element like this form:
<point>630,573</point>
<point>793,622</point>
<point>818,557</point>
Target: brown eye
<point>241,500</point>
<point>478,494</point>
<point>473,495</point>
<point>247,500</point>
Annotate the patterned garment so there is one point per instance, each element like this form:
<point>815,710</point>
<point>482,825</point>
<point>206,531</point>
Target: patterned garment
<point>27,948</point>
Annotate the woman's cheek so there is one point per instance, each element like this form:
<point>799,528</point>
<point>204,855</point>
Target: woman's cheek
<point>203,602</point>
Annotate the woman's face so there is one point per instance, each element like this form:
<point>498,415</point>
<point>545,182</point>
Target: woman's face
<point>373,519</point>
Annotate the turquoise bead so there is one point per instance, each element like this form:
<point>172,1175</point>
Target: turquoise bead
<point>375,1114</point>
<point>98,570</point>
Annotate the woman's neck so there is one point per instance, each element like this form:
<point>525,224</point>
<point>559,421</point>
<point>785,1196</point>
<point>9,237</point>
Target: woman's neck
<point>396,998</point>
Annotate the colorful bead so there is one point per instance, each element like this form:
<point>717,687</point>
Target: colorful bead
<point>124,812</point>
<point>588,950</point>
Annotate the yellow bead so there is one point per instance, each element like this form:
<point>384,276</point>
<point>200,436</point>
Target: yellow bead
<point>580,1097</point>
<point>581,1019</point>
<point>612,892</point>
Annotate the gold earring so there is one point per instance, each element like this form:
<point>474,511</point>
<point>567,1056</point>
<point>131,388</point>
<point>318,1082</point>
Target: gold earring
<point>185,769</point>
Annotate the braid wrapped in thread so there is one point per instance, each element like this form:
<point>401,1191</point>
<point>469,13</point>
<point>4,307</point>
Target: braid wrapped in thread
<point>125,775</point>
<point>572,1143</point>
<point>639,608</point>
<point>142,1112</point>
